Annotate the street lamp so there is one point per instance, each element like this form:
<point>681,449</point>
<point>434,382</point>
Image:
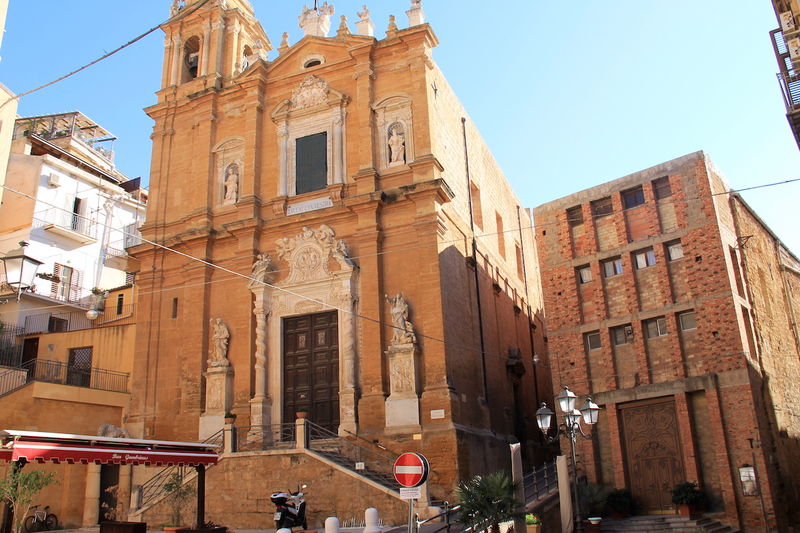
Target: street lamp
<point>570,428</point>
<point>20,269</point>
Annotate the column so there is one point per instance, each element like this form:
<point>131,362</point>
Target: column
<point>260,404</point>
<point>220,30</point>
<point>235,54</point>
<point>165,69</point>
<point>176,60</point>
<point>338,146</point>
<point>206,50</point>
<point>91,501</point>
<point>283,154</point>
<point>347,390</point>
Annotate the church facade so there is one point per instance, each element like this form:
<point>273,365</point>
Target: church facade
<point>332,236</point>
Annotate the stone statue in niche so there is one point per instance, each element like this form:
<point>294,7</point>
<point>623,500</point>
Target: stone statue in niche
<point>218,353</point>
<point>231,184</point>
<point>397,144</point>
<point>403,328</point>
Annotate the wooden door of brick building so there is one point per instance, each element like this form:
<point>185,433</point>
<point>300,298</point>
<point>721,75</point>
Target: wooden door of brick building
<point>652,453</point>
<point>311,368</point>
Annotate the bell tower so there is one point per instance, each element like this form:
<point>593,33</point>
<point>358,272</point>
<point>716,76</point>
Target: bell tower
<point>213,40</point>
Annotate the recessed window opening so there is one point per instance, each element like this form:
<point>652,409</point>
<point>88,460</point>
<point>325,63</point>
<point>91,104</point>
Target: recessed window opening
<point>191,59</point>
<point>602,207</point>
<point>674,250</point>
<point>632,197</point>
<point>575,216</point>
<point>612,267</point>
<point>584,274</point>
<point>501,236</point>
<point>120,303</point>
<point>311,165</point>
<point>313,63</point>
<point>593,340</point>
<point>687,320</point>
<point>645,258</point>
<point>174,308</point>
<point>661,188</point>
<point>656,327</point>
<point>477,213</point>
<point>621,334</point>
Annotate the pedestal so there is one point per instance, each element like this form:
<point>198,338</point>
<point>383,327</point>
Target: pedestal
<point>402,405</point>
<point>219,399</point>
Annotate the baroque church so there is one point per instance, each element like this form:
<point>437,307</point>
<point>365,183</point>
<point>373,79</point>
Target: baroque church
<point>333,240</point>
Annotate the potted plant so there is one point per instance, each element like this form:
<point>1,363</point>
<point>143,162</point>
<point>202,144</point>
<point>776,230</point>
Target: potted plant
<point>688,497</point>
<point>486,501</point>
<point>178,495</point>
<point>301,413</point>
<point>533,523</point>
<point>619,503</point>
<point>230,418</point>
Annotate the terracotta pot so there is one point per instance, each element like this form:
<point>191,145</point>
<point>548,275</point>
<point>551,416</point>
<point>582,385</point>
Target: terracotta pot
<point>535,528</point>
<point>686,509</point>
<point>301,414</point>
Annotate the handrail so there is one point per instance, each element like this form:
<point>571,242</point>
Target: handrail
<point>62,373</point>
<point>448,511</point>
<point>320,433</point>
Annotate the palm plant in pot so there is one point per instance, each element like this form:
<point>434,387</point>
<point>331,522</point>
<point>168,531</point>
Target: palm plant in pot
<point>619,503</point>
<point>688,497</point>
<point>486,501</point>
<point>178,496</point>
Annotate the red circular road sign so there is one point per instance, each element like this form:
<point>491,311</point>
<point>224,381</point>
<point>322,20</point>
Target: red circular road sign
<point>411,469</point>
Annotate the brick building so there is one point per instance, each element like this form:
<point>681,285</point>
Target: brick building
<point>313,185</point>
<point>671,303</point>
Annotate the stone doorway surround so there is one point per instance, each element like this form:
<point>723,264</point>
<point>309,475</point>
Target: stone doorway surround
<point>320,277</point>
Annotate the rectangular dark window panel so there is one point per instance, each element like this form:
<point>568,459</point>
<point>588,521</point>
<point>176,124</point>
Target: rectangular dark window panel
<point>656,327</point>
<point>612,267</point>
<point>593,340</point>
<point>687,320</point>
<point>632,197</point>
<point>311,163</point>
<point>602,207</point>
<point>661,188</point>
<point>575,216</point>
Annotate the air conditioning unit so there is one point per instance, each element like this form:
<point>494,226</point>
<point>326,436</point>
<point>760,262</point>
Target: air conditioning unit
<point>787,21</point>
<point>629,331</point>
<point>53,180</point>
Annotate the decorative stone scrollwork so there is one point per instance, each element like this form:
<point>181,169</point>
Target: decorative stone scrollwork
<point>312,91</point>
<point>308,253</point>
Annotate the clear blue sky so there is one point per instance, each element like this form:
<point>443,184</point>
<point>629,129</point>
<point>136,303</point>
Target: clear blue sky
<point>567,95</point>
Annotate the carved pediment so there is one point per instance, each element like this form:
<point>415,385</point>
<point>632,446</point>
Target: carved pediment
<point>312,91</point>
<point>309,254</point>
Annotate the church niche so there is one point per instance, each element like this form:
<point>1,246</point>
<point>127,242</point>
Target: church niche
<point>394,129</point>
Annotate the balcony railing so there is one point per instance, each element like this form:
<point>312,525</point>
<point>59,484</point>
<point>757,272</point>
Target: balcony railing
<point>113,315</point>
<point>10,346</point>
<point>790,86</point>
<point>66,220</point>
<point>64,374</point>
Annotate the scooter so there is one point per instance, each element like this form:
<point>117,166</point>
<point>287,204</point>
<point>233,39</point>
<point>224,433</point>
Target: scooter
<point>290,509</point>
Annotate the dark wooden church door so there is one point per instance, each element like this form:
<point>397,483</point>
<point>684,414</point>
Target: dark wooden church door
<point>652,453</point>
<point>311,368</point>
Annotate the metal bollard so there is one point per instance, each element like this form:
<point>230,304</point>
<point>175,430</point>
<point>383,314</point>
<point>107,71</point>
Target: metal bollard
<point>371,521</point>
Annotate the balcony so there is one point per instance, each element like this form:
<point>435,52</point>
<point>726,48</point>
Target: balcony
<point>790,86</point>
<point>72,126</point>
<point>113,315</point>
<point>61,373</point>
<point>66,224</point>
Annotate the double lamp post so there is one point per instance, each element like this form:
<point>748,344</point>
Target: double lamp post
<point>570,428</point>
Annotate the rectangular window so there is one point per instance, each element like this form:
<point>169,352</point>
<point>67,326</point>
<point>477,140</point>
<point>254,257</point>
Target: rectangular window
<point>593,340</point>
<point>661,188</point>
<point>477,213</point>
<point>501,236</point>
<point>120,303</point>
<point>584,274</point>
<point>174,308</point>
<point>632,197</point>
<point>311,163</point>
<point>687,321</point>
<point>519,261</point>
<point>79,367</point>
<point>674,250</point>
<point>612,267</point>
<point>602,207</point>
<point>644,258</point>
<point>575,216</point>
<point>656,327</point>
<point>621,334</point>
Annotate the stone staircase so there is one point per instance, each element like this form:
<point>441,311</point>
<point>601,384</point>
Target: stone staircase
<point>666,523</point>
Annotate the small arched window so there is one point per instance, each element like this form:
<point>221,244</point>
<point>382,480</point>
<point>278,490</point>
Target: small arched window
<point>191,59</point>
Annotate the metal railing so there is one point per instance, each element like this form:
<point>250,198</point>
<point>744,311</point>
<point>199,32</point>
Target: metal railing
<point>541,481</point>
<point>349,454</point>
<point>12,379</point>
<point>790,86</point>
<point>259,438</point>
<point>66,220</point>
<point>445,516</point>
<point>77,320</point>
<point>65,374</point>
<point>10,347</point>
<point>153,488</point>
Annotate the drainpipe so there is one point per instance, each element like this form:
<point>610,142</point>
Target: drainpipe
<point>475,262</point>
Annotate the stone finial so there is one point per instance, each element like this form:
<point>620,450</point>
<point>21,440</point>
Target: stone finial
<point>316,21</point>
<point>415,15</point>
<point>392,25</point>
<point>364,24</point>
<point>343,31</point>
<point>284,43</point>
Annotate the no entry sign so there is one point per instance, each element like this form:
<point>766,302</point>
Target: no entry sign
<point>411,469</point>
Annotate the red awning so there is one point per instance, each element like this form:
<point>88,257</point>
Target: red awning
<point>84,449</point>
